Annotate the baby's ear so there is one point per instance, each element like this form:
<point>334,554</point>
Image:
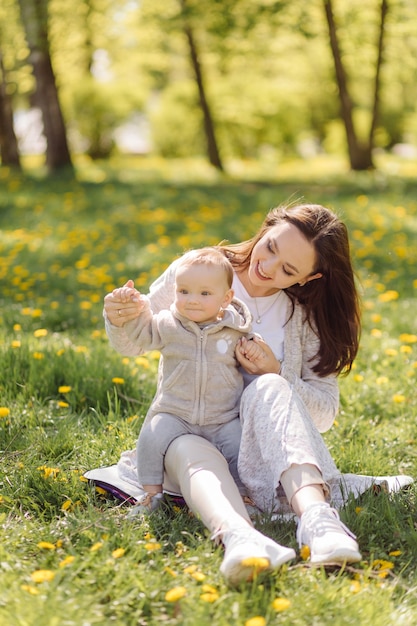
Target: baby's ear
<point>228,297</point>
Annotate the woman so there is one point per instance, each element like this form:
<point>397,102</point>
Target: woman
<point>295,276</point>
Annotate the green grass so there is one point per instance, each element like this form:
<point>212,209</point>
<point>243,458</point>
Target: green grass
<point>69,403</point>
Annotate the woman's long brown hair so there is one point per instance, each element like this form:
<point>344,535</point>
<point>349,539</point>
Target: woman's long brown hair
<point>331,303</point>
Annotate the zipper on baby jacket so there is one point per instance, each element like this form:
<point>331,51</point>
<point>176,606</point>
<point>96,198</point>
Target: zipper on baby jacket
<point>201,378</point>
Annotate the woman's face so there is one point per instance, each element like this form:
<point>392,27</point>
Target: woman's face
<point>282,258</point>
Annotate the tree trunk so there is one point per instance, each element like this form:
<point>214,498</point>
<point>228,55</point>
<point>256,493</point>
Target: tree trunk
<point>34,14</point>
<point>9,151</point>
<point>360,155</point>
<point>212,148</point>
<point>379,62</point>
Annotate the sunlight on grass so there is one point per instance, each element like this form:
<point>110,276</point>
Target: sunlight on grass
<point>69,403</point>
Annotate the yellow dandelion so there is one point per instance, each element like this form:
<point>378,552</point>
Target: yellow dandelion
<point>17,327</point>
<point>362,200</point>
<point>209,597</point>
<point>382,380</point>
<point>64,389</point>
<point>16,343</point>
<point>170,571</point>
<point>398,398</point>
<point>388,296</point>
<point>62,404</point>
<point>38,356</point>
<point>190,569</point>
<point>305,552</point>
<point>67,561</point>
<point>4,411</point>
<point>209,588</point>
<point>407,338</point>
<point>375,332</point>
<point>358,509</point>
<point>142,361</point>
<point>46,545</point>
<point>406,349</point>
<point>391,352</point>
<point>355,586</point>
<point>66,505</point>
<point>118,381</point>
<point>198,576</point>
<point>152,546</point>
<point>382,564</point>
<point>42,576</point>
<point>281,604</point>
<point>30,589</point>
<point>49,472</point>
<point>358,378</point>
<point>256,621</point>
<point>119,552</point>
<point>256,561</point>
<point>395,553</point>
<point>40,332</point>
<point>175,594</point>
<point>96,546</point>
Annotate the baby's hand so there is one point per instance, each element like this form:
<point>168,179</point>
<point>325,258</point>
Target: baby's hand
<point>126,294</point>
<point>257,357</point>
<point>124,304</point>
<point>253,351</point>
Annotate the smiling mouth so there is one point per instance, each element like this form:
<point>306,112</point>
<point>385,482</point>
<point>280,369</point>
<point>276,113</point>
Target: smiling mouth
<point>261,273</point>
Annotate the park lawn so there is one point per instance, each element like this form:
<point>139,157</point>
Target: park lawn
<point>69,403</point>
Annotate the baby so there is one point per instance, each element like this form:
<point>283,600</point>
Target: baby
<point>200,383</point>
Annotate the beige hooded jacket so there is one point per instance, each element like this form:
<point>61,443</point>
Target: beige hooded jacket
<point>199,379</point>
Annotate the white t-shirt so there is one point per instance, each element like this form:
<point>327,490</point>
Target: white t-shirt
<point>269,316</point>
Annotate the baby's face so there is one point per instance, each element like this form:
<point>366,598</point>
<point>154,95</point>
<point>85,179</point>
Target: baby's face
<point>200,292</point>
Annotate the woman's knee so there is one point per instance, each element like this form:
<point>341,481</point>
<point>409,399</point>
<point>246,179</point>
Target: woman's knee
<point>265,388</point>
<point>192,453</point>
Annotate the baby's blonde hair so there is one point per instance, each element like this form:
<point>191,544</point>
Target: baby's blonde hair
<point>208,256</point>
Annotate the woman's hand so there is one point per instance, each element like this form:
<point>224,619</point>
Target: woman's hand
<point>123,304</point>
<point>256,357</point>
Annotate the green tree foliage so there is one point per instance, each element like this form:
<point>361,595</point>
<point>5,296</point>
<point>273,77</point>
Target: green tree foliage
<point>268,72</point>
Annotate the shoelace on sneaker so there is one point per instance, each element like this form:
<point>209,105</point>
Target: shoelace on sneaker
<point>319,520</point>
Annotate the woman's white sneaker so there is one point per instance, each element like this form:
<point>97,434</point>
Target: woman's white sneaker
<point>248,552</point>
<point>329,540</point>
